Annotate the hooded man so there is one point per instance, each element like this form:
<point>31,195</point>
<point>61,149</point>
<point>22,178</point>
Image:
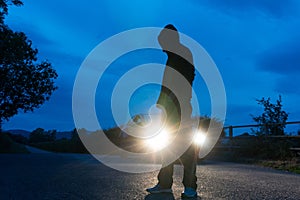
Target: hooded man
<point>176,103</point>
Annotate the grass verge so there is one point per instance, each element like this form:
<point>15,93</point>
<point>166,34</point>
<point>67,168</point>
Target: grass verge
<point>292,165</point>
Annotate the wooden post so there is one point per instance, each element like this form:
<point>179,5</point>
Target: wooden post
<point>230,132</point>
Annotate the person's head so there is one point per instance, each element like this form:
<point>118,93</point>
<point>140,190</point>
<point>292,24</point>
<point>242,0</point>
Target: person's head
<point>168,37</point>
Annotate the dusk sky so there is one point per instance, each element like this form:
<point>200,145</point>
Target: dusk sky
<point>255,45</point>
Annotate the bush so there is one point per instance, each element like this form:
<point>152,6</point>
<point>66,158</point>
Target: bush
<point>40,135</point>
<point>7,145</point>
<point>273,119</point>
<point>269,148</point>
<point>62,145</point>
<point>18,138</point>
<point>5,142</point>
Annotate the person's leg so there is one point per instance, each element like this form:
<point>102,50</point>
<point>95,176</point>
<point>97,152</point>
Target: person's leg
<point>189,161</point>
<point>165,176</point>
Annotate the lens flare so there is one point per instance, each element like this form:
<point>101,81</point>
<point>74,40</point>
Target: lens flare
<point>199,138</point>
<point>159,141</point>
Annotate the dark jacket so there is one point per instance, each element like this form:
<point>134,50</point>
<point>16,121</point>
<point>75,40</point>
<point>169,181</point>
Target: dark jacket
<point>186,69</point>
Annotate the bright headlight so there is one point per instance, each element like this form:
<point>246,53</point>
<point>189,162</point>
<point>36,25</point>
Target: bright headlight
<point>159,141</point>
<point>199,138</point>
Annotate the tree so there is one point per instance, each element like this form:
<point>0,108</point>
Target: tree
<point>25,83</point>
<point>75,135</point>
<point>4,7</point>
<point>40,135</point>
<point>51,135</point>
<point>273,119</point>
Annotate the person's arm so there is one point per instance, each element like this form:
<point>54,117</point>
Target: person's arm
<point>164,91</point>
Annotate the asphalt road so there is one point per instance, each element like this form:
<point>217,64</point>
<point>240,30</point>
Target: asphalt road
<point>73,176</point>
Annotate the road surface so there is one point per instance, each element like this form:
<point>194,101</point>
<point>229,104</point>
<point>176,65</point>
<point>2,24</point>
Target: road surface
<point>74,176</point>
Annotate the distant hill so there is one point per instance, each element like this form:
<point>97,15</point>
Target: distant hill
<point>19,132</point>
<point>59,135</point>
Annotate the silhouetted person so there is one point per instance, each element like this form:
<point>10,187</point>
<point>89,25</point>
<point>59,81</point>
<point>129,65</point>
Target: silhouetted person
<point>180,59</point>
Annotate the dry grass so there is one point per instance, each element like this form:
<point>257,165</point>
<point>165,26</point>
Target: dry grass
<point>292,165</point>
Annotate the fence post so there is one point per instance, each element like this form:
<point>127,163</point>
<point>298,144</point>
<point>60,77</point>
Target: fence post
<point>230,132</point>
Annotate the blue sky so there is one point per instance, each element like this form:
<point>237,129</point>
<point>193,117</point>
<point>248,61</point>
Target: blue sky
<point>255,44</point>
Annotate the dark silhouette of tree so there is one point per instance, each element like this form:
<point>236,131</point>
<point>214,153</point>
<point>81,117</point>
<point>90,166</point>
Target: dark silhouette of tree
<point>74,135</point>
<point>37,136</point>
<point>51,135</point>
<point>273,119</point>
<point>40,135</point>
<point>4,7</point>
<point>25,83</point>
<point>75,144</point>
<point>18,138</point>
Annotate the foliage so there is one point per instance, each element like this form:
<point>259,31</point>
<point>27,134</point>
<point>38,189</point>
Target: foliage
<point>273,119</point>
<point>256,148</point>
<point>263,148</point>
<point>25,83</point>
<point>133,144</point>
<point>73,145</point>
<point>18,138</point>
<point>40,135</point>
<point>292,165</point>
<point>4,7</point>
<point>7,145</point>
<point>128,143</point>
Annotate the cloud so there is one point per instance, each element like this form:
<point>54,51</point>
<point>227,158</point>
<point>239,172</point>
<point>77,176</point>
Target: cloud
<point>241,113</point>
<point>276,8</point>
<point>282,59</point>
<point>53,114</point>
<point>232,31</point>
<point>288,84</point>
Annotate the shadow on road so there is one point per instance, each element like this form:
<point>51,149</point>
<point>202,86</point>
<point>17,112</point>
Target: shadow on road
<point>166,196</point>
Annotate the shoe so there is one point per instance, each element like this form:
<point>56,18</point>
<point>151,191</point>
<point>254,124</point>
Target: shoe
<point>157,189</point>
<point>189,193</point>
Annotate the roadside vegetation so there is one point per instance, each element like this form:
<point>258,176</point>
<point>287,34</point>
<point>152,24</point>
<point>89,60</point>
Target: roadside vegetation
<point>267,145</point>
<point>7,145</point>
